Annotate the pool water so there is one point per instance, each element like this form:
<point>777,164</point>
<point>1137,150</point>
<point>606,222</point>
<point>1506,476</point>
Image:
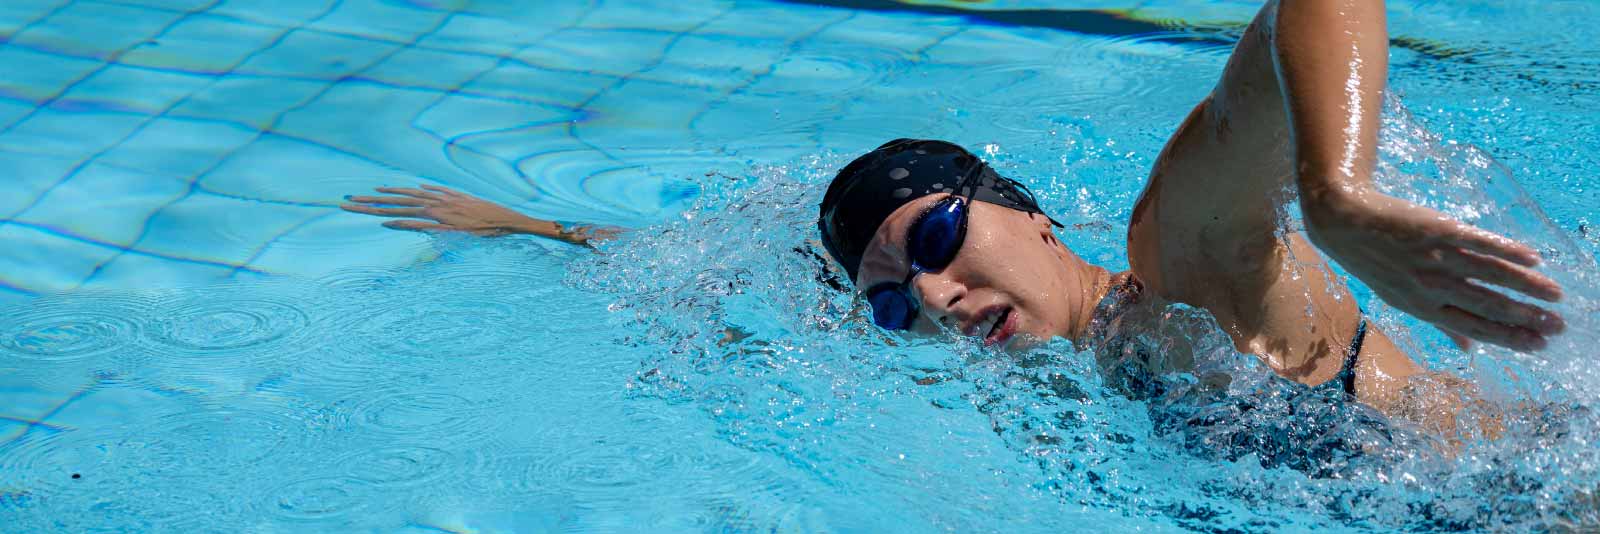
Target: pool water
<point>193,338</point>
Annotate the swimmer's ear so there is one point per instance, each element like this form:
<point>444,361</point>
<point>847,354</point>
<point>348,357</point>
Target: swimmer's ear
<point>1046,229</point>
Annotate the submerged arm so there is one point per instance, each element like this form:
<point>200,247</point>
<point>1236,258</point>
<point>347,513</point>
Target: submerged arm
<point>441,209</point>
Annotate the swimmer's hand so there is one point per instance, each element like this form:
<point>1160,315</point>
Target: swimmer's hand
<point>441,209</point>
<point>1435,267</point>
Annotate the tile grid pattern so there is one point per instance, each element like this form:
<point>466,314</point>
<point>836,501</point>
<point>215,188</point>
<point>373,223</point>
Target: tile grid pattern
<point>140,122</point>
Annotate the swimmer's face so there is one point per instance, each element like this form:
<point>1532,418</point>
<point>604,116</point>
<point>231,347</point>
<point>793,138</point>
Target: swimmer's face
<point>1009,284</point>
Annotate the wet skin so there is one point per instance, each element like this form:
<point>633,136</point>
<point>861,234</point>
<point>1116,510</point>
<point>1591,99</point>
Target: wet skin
<point>1296,111</point>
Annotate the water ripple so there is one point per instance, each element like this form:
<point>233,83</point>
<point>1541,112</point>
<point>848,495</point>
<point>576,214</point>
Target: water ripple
<point>410,413</point>
<point>197,323</point>
<point>69,329</point>
<point>317,499</point>
<point>399,466</point>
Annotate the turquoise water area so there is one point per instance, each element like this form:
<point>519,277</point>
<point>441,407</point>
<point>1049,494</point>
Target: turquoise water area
<point>193,338</point>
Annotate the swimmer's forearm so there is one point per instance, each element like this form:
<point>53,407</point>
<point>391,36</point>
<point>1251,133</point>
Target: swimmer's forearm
<point>1332,59</point>
<point>576,234</point>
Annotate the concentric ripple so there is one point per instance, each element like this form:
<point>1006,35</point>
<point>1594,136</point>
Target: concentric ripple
<point>41,466</point>
<point>398,466</point>
<point>317,499</point>
<point>231,437</point>
<point>68,329</point>
<point>199,323</point>
<point>411,413</point>
<point>448,330</point>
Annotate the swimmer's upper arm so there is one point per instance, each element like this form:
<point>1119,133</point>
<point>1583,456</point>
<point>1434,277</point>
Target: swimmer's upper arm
<point>1230,160</point>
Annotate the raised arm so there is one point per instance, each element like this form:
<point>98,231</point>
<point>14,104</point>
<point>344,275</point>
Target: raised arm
<point>441,209</point>
<point>1297,110</point>
<point>1417,259</point>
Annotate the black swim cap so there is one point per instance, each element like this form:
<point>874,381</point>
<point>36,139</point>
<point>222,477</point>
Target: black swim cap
<point>872,187</point>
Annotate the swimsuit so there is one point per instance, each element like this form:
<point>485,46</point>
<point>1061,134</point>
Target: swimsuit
<point>1347,373</point>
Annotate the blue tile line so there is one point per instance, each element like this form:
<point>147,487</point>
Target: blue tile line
<point>70,102</point>
<point>582,107</point>
<point>106,63</point>
<point>271,128</point>
<point>5,38</point>
<point>51,100</point>
<point>40,422</point>
<point>10,287</point>
<point>193,182</point>
<point>124,249</point>
<point>790,47</point>
<point>455,140</point>
<point>52,426</point>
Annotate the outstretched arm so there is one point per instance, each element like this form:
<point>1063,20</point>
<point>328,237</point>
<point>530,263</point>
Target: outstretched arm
<point>441,209</point>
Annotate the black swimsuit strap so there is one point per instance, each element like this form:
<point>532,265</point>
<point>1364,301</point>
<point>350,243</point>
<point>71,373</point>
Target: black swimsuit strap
<point>1347,374</point>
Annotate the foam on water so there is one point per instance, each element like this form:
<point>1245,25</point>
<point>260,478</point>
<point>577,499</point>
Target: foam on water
<point>1270,454</point>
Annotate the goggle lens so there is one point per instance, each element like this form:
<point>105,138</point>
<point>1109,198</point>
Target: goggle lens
<point>932,245</point>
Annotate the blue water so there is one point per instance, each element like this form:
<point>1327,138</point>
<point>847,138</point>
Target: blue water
<point>193,338</point>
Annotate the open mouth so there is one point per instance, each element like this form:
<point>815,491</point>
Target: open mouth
<point>1001,328</point>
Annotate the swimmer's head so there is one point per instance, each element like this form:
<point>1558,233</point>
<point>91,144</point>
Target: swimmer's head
<point>1009,266</point>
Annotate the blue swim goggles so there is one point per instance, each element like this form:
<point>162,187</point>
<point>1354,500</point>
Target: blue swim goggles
<point>932,243</point>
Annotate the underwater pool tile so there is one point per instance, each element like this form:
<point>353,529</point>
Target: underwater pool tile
<point>980,45</point>
<point>178,147</point>
<point>620,51</point>
<point>617,121</point>
<point>203,44</point>
<point>433,69</point>
<point>16,14</point>
<point>323,174</point>
<point>94,29</point>
<point>348,117</point>
<point>886,32</point>
<point>99,200</point>
<point>71,257</point>
<point>317,55</point>
<point>287,13</point>
<point>218,230</point>
<point>115,406</point>
<point>145,91</point>
<point>496,36</point>
<point>460,116</point>
<point>136,270</point>
<point>341,240</point>
<point>379,19</point>
<point>28,175</point>
<point>674,17</point>
<point>79,134</point>
<point>33,75</point>
<point>528,84</point>
<point>248,102</point>
<point>770,21</point>
<point>716,60</point>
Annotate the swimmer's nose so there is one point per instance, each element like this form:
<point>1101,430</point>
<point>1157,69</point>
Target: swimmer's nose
<point>939,295</point>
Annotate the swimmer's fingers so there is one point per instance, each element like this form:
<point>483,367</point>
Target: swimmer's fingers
<point>410,192</point>
<point>417,226</point>
<point>1502,309</point>
<point>443,190</point>
<point>1489,243</point>
<point>384,212</point>
<point>389,201</point>
<point>1503,273</point>
<point>1517,338</point>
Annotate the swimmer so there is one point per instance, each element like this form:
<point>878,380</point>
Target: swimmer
<point>934,238</point>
